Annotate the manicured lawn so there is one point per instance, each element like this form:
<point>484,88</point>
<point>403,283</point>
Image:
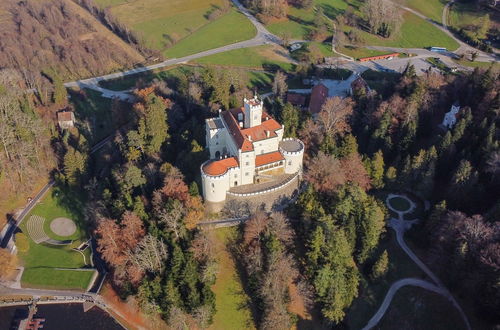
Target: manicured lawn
<point>231,28</point>
<point>261,57</point>
<point>417,308</point>
<point>41,259</point>
<point>57,279</point>
<point>399,203</point>
<point>371,294</point>
<point>430,8</point>
<point>231,302</point>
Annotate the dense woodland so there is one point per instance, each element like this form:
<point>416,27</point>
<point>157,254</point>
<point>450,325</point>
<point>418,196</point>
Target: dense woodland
<point>50,41</point>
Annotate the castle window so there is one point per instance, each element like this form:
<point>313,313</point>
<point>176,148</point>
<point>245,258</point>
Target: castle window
<point>247,163</point>
<point>247,174</point>
<point>289,162</point>
<point>236,175</point>
<point>213,186</point>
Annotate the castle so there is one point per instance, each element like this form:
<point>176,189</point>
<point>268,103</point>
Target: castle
<point>246,144</point>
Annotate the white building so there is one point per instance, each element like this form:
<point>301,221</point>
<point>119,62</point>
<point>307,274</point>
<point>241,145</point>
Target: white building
<point>450,118</point>
<point>245,144</point>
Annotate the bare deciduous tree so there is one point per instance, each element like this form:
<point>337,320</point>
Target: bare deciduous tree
<point>149,255</point>
<point>335,114</point>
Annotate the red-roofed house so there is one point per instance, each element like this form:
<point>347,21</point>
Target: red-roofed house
<point>244,142</point>
<point>66,119</point>
<point>319,94</point>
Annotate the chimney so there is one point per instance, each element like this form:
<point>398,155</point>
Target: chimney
<point>241,124</point>
<point>268,133</point>
<point>267,117</point>
<point>240,116</point>
<point>249,138</point>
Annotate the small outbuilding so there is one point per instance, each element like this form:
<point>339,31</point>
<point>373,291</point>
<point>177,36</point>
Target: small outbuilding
<point>66,119</point>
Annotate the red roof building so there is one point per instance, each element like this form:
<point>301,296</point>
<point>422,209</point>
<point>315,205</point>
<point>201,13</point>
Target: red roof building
<point>296,99</point>
<point>319,94</point>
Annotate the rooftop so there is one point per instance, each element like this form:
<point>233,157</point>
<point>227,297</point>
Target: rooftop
<point>319,93</point>
<point>65,116</point>
<point>269,158</point>
<point>291,145</point>
<point>219,167</point>
<point>215,123</point>
<point>245,136</point>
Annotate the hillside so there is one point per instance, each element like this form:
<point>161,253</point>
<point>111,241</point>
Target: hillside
<point>60,36</point>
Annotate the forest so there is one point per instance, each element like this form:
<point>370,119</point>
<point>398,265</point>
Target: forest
<point>145,203</point>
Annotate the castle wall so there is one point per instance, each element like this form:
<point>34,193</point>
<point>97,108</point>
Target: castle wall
<point>293,160</point>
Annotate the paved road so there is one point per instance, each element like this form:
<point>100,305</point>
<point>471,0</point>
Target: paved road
<point>262,37</point>
<point>393,290</point>
<point>400,225</point>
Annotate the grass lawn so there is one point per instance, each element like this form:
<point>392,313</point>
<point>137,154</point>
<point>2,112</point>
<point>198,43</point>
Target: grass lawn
<point>417,308</point>
<point>485,65</point>
<point>230,300</point>
<point>300,21</point>
<point>159,21</point>
<point>430,8</point>
<point>414,33</point>
<point>231,28</point>
<point>359,52</point>
<point>399,204</point>
<point>463,15</point>
<point>41,259</point>
<point>262,57</point>
<point>371,294</point>
<point>95,117</point>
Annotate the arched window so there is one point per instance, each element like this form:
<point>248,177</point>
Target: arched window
<point>217,154</point>
<point>213,186</point>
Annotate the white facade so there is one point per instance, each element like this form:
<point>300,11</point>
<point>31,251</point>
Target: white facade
<point>244,143</point>
<point>450,118</point>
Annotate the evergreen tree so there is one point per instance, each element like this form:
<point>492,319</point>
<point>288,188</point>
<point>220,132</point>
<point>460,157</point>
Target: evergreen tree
<point>381,266</point>
<point>376,170</point>
<point>155,120</point>
<point>291,120</point>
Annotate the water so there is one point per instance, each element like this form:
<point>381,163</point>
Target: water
<point>62,317</point>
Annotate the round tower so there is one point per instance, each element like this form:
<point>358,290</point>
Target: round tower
<point>214,181</point>
<point>293,151</point>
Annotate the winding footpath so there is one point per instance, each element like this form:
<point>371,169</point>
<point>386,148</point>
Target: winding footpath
<point>400,225</point>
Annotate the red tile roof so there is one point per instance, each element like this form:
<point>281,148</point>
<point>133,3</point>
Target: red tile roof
<point>219,167</point>
<point>268,158</point>
<point>319,93</point>
<point>65,116</point>
<point>244,137</point>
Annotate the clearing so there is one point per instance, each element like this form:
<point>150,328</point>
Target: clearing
<point>232,304</point>
<point>430,8</point>
<point>41,261</point>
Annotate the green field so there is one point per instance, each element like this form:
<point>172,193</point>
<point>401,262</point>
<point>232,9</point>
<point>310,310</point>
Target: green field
<point>467,15</point>
<point>41,260</point>
<point>430,8</point>
<point>231,28</point>
<point>414,33</point>
<point>417,308</point>
<point>484,65</point>
<point>160,22</point>
<point>231,302</point>
<point>300,21</point>
<point>262,57</point>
